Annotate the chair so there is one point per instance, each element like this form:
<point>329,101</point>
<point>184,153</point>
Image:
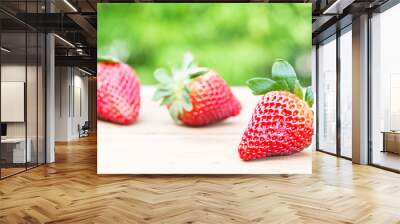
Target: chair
<point>84,130</point>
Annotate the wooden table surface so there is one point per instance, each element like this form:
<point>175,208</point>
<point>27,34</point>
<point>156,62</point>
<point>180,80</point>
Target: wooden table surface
<point>156,145</point>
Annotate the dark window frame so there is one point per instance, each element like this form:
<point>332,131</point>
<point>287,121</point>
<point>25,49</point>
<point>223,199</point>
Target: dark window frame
<point>333,37</point>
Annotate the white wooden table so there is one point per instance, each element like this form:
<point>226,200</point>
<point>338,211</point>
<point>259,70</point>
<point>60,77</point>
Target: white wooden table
<point>156,145</point>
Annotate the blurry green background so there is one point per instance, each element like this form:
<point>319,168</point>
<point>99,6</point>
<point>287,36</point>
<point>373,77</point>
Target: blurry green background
<point>239,41</point>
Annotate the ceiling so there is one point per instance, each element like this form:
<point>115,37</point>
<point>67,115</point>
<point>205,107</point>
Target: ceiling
<point>75,22</point>
<point>331,15</point>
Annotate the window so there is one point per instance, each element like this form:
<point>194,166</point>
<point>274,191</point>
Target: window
<point>346,93</point>
<point>327,96</point>
<point>22,88</point>
<point>385,89</point>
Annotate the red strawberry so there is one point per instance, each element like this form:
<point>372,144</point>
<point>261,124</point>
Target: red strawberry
<point>282,122</point>
<point>118,92</point>
<point>195,96</point>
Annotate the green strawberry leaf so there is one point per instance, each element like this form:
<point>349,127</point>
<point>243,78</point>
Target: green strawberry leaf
<point>261,86</point>
<point>117,51</point>
<point>161,93</point>
<point>283,79</point>
<point>174,111</point>
<point>165,86</point>
<point>285,84</point>
<point>167,100</point>
<point>188,61</point>
<point>309,96</point>
<point>196,72</point>
<point>186,88</point>
<point>104,58</point>
<point>292,83</point>
<point>162,76</point>
<point>281,69</point>
<point>298,90</point>
<point>187,104</point>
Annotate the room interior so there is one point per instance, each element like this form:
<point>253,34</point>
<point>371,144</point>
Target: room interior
<point>48,92</point>
<point>25,101</point>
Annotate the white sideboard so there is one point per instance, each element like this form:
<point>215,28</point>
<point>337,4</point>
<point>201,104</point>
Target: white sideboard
<point>18,145</point>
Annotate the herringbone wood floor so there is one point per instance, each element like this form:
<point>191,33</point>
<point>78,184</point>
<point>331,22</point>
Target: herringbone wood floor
<point>69,191</point>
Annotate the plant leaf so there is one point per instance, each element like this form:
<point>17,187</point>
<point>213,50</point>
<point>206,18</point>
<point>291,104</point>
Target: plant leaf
<point>161,93</point>
<point>162,76</point>
<point>167,100</point>
<point>174,111</point>
<point>281,69</point>
<point>261,86</point>
<point>104,58</point>
<point>298,90</point>
<point>188,60</point>
<point>165,86</point>
<point>187,104</point>
<point>309,96</point>
<point>283,85</point>
<point>292,83</point>
<point>117,51</point>
<point>195,72</point>
<point>186,88</point>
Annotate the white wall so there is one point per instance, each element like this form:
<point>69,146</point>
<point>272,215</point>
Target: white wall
<point>62,82</point>
<point>33,127</point>
<point>81,100</point>
<point>71,93</point>
<point>12,73</point>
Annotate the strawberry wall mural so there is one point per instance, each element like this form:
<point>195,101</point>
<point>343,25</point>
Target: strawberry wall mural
<point>204,88</point>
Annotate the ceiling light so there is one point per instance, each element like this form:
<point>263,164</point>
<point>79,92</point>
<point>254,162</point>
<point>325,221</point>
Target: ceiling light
<point>64,40</point>
<point>5,50</point>
<point>337,7</point>
<point>79,51</point>
<point>84,71</point>
<point>70,5</point>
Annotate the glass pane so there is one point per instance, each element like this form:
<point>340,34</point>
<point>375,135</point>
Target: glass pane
<point>314,86</point>
<point>346,94</point>
<point>41,99</point>
<point>385,86</point>
<point>13,86</point>
<point>327,97</point>
<point>32,98</point>
<point>32,87</point>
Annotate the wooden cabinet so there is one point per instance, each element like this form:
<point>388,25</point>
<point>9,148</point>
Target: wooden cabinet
<point>391,142</point>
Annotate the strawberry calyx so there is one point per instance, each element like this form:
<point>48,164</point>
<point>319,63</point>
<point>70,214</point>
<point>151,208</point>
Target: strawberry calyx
<point>173,88</point>
<point>283,78</point>
<point>109,59</point>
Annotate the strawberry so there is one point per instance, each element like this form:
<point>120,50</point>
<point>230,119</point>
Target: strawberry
<point>118,92</point>
<point>195,96</point>
<point>282,122</point>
